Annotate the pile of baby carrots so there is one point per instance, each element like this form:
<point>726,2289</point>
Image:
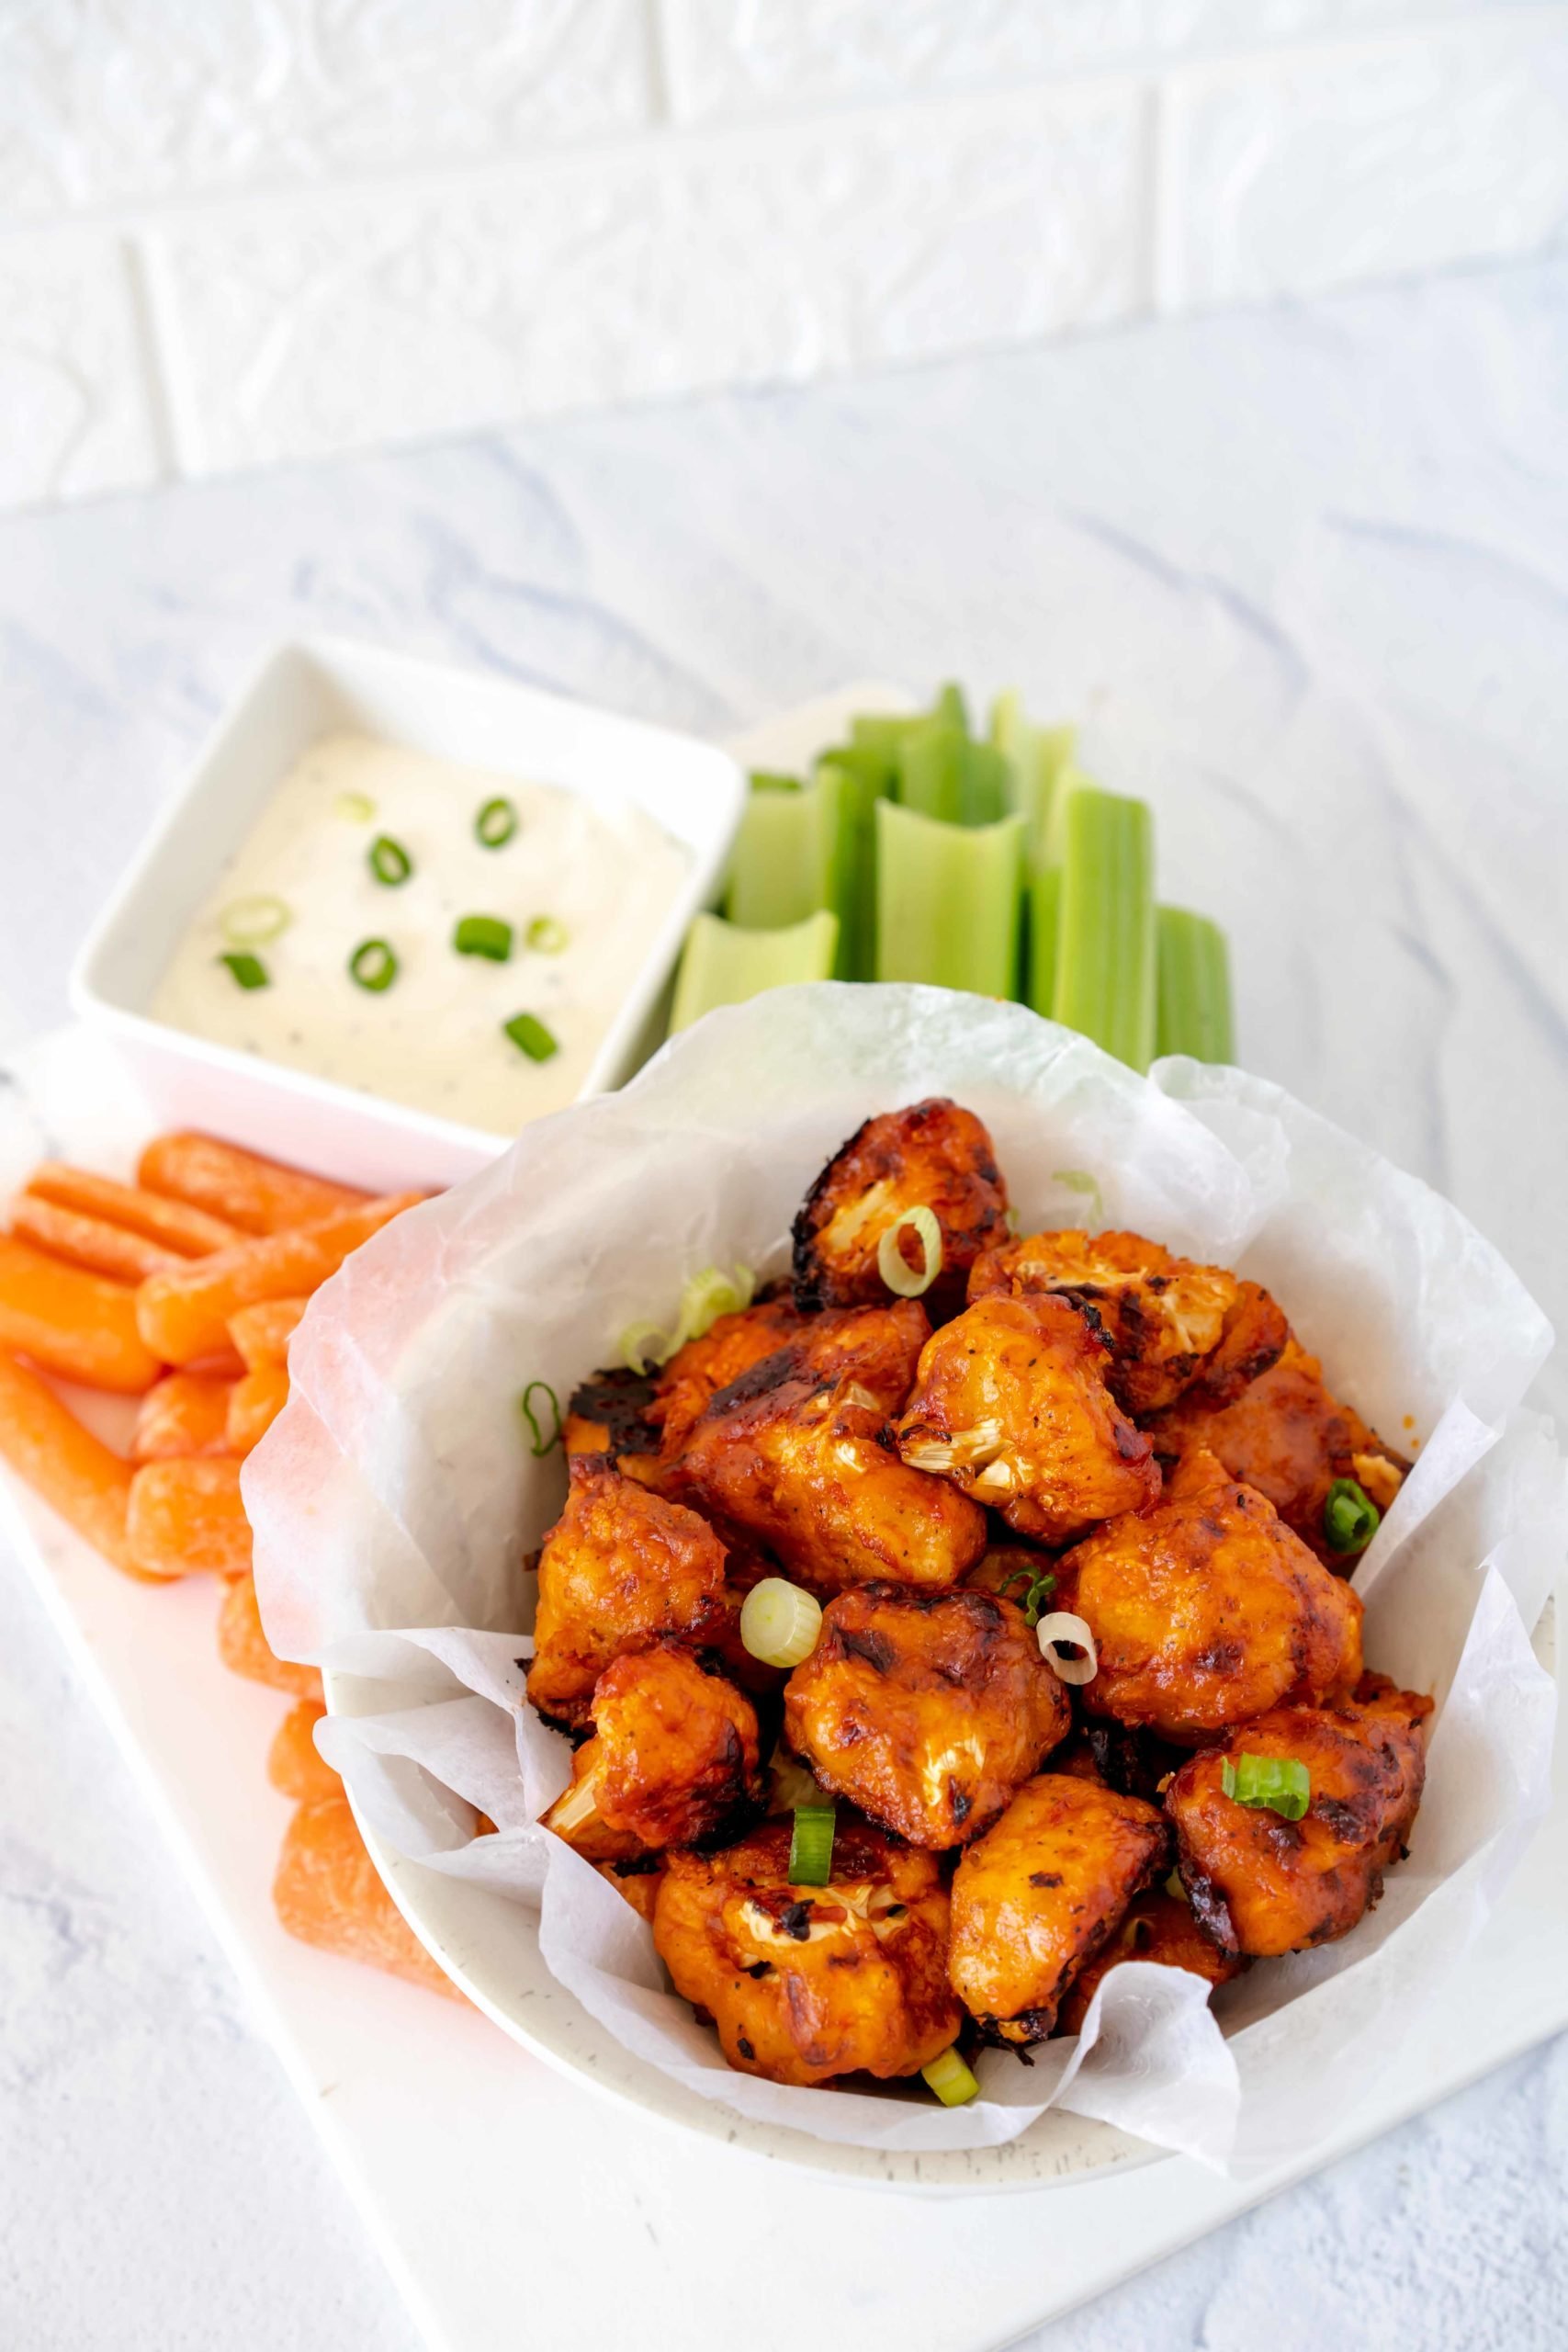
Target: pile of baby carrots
<point>183,1289</point>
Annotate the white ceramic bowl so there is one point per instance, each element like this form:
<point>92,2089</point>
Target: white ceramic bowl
<point>691,788</point>
<point>472,1932</point>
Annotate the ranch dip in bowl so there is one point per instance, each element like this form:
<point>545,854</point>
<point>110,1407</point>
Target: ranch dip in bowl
<point>442,936</point>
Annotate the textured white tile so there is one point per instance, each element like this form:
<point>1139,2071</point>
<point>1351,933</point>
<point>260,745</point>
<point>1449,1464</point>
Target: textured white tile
<point>115,100</point>
<point>75,416</point>
<point>744,57</point>
<point>1311,171</point>
<point>296,328</point>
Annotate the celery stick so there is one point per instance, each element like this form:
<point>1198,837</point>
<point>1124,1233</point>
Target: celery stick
<point>944,773</point>
<point>1043,903</point>
<point>1037,757</point>
<point>1042,921</point>
<point>883,732</point>
<point>722,963</point>
<point>858,777</point>
<point>772,871</point>
<point>1194,988</point>
<point>1105,933</point>
<point>930,770</point>
<point>785,853</point>
<point>988,785</point>
<point>947,900</point>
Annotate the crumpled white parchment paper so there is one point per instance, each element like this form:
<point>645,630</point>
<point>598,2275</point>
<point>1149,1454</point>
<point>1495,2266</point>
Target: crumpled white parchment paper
<point>395,1496</point>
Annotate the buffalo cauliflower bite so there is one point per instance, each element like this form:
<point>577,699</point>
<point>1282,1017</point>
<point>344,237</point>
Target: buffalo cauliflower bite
<point>1158,1927</point>
<point>1040,1892</point>
<point>932,1155</point>
<point>806,1983</point>
<point>673,1758</point>
<point>608,1414</point>
<point>1167,1322</point>
<point>694,1373</point>
<point>619,1567</point>
<point>925,1712</point>
<point>1286,1435</point>
<point>1011,1404</point>
<point>1264,1885</point>
<point>792,1453</point>
<point>1206,1610</point>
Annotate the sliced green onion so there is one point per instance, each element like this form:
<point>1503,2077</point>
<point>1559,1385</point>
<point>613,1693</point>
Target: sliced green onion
<point>721,964</point>
<point>1194,1014</point>
<point>900,1277</point>
<point>485,935</point>
<point>948,900</point>
<point>251,922</point>
<point>1176,1887</point>
<point>1349,1516</point>
<point>373,965</point>
<point>542,1444</point>
<point>495,823</point>
<point>249,971</point>
<point>355,808</point>
<point>950,2078</point>
<point>1105,969</point>
<point>1037,1591</point>
<point>645,1346</point>
<point>811,1846</point>
<point>545,936</point>
<point>389,861</point>
<point>531,1036</point>
<point>780,1624</point>
<point>708,1296</point>
<point>705,1298</point>
<point>1269,1783</point>
<point>1062,1626</point>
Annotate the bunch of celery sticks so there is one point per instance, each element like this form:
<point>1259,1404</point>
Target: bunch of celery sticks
<point>922,851</point>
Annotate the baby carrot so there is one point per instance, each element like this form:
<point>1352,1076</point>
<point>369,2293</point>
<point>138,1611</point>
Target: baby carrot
<point>326,1892</point>
<point>76,1474</point>
<point>70,1322</point>
<point>261,1332</point>
<point>89,1242</point>
<point>183,1414</point>
<point>254,1403</point>
<point>183,1314</point>
<point>244,1648</point>
<point>188,1231</point>
<point>293,1765</point>
<point>259,1195</point>
<point>186,1516</point>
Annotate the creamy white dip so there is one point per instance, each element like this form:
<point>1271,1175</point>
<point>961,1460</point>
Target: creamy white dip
<point>603,880</point>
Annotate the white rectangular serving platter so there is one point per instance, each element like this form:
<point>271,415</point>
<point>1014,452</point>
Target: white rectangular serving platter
<point>495,2187</point>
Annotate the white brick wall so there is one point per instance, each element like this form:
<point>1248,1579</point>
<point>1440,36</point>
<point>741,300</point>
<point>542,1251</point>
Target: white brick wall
<point>233,232</point>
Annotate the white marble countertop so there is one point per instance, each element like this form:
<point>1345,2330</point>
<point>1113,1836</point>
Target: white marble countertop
<point>1308,570</point>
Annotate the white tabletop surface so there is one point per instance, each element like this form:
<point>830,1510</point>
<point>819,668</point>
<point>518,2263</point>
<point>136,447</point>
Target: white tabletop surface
<point>1308,570</point>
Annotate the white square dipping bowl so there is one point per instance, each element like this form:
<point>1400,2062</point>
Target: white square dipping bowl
<point>691,788</point>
